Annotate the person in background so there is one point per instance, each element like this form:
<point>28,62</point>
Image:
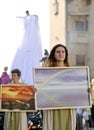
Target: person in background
<point>5,77</point>
<point>79,119</point>
<point>60,119</point>
<point>27,12</point>
<point>15,120</point>
<point>92,108</point>
<point>85,119</point>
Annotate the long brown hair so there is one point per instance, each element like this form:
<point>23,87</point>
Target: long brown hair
<point>51,61</point>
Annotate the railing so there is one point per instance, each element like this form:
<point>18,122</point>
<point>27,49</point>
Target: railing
<point>78,37</point>
<point>72,10</point>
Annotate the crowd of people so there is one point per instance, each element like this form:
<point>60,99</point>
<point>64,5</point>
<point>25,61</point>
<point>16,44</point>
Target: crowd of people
<point>57,119</point>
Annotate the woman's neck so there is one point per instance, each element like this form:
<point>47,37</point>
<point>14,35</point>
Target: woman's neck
<point>60,64</point>
<point>15,82</point>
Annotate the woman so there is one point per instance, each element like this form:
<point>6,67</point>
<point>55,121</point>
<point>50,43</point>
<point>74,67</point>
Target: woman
<point>15,120</point>
<point>62,119</point>
<point>5,77</point>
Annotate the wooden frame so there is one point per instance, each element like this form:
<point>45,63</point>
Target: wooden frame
<point>17,98</point>
<point>61,88</point>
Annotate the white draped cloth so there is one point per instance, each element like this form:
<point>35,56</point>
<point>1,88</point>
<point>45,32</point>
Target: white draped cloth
<point>29,53</point>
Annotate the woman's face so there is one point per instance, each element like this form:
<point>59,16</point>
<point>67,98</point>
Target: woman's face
<point>60,54</point>
<point>15,78</point>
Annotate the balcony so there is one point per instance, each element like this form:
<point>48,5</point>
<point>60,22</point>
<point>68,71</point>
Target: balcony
<point>74,10</point>
<point>78,13</point>
<point>78,37</point>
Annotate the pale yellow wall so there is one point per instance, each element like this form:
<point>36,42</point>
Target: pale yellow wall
<point>58,23</point>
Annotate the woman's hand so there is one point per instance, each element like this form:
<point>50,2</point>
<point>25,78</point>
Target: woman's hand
<point>34,89</point>
<point>89,90</point>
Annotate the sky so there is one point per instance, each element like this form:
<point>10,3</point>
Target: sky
<point>9,10</point>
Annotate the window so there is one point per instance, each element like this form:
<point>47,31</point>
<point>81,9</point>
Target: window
<point>88,2</point>
<point>82,25</point>
<point>80,60</point>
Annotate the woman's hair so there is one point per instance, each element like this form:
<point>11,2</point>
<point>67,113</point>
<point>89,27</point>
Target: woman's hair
<point>27,12</point>
<point>51,61</point>
<point>17,71</point>
<point>5,68</point>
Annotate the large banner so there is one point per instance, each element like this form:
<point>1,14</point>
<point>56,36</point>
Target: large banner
<point>61,88</point>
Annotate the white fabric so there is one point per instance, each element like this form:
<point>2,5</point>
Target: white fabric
<point>73,119</point>
<point>22,123</point>
<point>6,121</point>
<point>47,119</point>
<point>85,115</point>
<point>29,53</point>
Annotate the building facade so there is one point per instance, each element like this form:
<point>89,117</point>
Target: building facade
<point>58,22</point>
<point>72,24</point>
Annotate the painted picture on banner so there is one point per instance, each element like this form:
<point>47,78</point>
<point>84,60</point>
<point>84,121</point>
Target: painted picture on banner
<point>17,97</point>
<point>59,88</point>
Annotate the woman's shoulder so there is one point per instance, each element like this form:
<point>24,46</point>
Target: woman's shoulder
<point>20,83</point>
